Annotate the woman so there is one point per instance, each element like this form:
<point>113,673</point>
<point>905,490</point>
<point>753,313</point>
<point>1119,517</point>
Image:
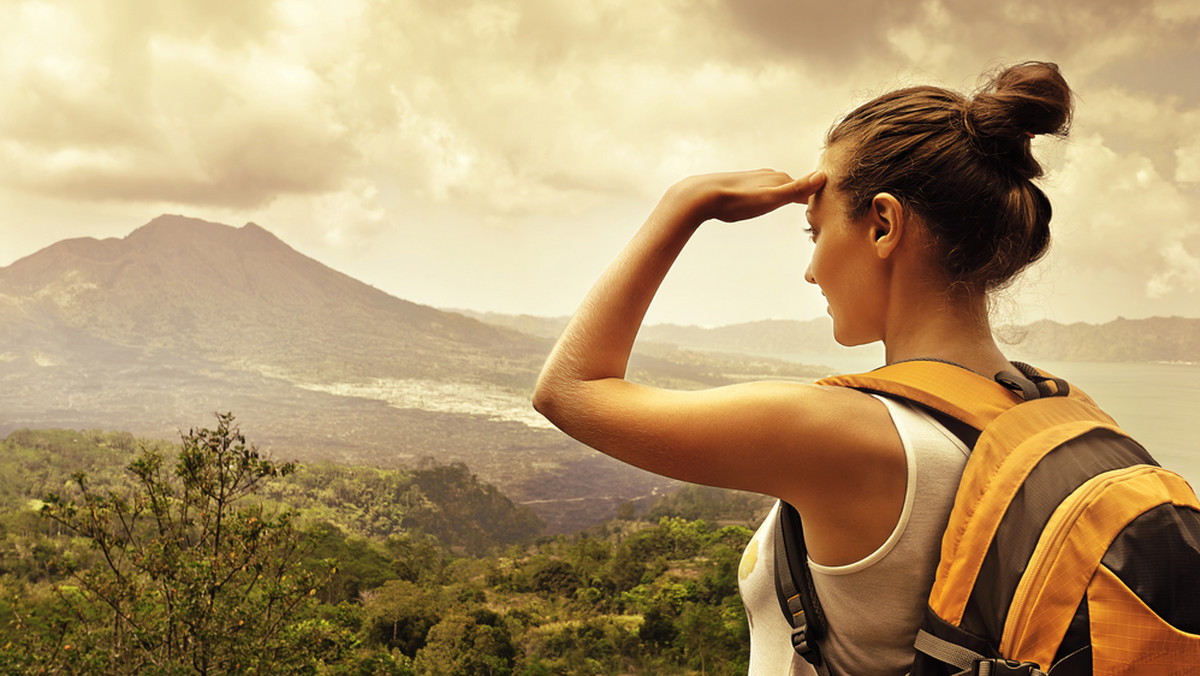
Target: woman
<point>921,205</point>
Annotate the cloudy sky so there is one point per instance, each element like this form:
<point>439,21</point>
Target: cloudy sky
<point>495,154</point>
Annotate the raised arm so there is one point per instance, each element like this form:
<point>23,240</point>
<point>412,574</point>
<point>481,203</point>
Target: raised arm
<point>598,340</point>
<point>813,446</point>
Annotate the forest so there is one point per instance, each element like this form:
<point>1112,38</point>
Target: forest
<point>127,556</point>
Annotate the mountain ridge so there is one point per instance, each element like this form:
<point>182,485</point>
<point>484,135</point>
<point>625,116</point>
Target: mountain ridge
<point>1150,339</point>
<point>186,284</point>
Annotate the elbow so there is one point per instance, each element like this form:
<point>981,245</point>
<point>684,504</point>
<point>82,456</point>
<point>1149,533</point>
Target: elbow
<point>543,398</point>
<point>539,400</point>
<point>552,398</point>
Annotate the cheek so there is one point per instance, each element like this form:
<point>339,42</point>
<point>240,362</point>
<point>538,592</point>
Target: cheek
<point>827,267</point>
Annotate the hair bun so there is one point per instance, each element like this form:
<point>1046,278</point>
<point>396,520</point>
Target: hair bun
<point>1016,104</point>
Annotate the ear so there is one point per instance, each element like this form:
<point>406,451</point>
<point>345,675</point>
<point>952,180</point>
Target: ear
<point>886,218</point>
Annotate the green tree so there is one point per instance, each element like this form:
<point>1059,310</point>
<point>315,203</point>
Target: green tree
<point>478,644</point>
<point>626,569</point>
<point>362,564</point>
<point>187,578</point>
<point>399,615</point>
<point>593,646</point>
<point>555,577</point>
<point>657,629</point>
<point>626,511</point>
<point>462,512</point>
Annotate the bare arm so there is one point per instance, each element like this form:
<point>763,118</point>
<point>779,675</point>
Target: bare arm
<point>783,439</point>
<point>598,340</point>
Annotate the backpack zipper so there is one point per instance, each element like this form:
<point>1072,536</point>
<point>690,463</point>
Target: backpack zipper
<point>1055,536</point>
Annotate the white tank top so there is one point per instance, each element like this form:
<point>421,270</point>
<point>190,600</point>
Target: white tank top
<point>873,606</point>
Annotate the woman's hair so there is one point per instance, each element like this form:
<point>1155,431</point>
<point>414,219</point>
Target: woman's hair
<point>964,165</point>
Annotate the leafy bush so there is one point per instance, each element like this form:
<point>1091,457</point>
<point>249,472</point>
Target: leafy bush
<point>187,576</point>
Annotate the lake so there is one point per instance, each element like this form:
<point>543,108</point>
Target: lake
<point>1155,403</point>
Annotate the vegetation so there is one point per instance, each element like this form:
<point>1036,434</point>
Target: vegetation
<point>182,576</point>
<point>445,501</point>
<point>208,558</point>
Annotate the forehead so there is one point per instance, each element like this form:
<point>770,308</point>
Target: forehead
<point>830,162</point>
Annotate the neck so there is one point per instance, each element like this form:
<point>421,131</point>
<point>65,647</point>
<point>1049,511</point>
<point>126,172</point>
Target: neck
<point>954,329</point>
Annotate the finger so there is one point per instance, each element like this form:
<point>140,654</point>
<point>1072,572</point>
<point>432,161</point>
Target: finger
<point>798,190</point>
<point>807,186</point>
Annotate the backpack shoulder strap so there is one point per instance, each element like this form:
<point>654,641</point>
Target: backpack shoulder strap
<point>958,393</point>
<point>794,588</point>
<point>934,385</point>
<point>946,388</point>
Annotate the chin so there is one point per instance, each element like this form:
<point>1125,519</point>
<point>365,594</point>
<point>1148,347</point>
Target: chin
<point>852,340</point>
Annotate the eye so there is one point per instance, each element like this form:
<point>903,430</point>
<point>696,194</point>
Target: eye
<point>811,232</point>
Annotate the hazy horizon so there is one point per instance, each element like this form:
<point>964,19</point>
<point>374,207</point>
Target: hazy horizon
<point>495,155</point>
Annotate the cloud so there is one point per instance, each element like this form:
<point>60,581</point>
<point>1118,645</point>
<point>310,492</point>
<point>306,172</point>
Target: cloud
<point>523,107</point>
<point>173,106</point>
<point>1125,198</point>
<point>1186,138</point>
<point>514,106</point>
<point>1118,214</point>
<point>1180,271</point>
<point>375,125</point>
<point>1188,163</point>
<point>832,34</point>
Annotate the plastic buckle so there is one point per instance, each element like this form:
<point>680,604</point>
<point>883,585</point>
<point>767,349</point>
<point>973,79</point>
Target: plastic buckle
<point>800,640</point>
<point>801,645</point>
<point>1002,667</point>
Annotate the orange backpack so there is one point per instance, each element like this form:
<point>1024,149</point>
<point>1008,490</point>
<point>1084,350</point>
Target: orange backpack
<point>1068,550</point>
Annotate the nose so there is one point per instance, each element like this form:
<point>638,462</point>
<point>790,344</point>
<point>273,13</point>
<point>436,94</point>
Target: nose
<point>808,275</point>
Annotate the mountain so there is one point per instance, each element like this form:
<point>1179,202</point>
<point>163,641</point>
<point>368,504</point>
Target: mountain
<point>241,295</point>
<point>1154,339</point>
<point>154,332</point>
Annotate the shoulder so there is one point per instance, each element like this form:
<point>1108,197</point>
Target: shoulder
<point>852,495</point>
<point>786,439</point>
<point>851,441</point>
<point>809,443</point>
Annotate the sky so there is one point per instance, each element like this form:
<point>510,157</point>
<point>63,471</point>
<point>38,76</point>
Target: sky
<point>494,155</point>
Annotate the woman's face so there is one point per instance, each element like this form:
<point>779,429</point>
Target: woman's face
<point>844,261</point>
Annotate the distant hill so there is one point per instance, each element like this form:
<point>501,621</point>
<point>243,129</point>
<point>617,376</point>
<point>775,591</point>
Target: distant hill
<point>768,336</point>
<point>1156,339</point>
<point>546,327</point>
